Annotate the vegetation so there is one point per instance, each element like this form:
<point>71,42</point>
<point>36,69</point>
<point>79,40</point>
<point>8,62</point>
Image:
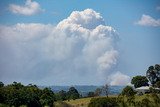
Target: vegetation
<point>82,102</point>
<point>105,89</point>
<point>47,97</point>
<point>103,102</point>
<point>62,104</point>
<point>16,95</point>
<point>153,73</point>
<point>139,81</point>
<point>157,84</point>
<point>72,94</point>
<point>61,95</point>
<point>128,91</point>
<point>147,100</point>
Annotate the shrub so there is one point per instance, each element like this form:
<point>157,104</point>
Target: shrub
<point>128,91</point>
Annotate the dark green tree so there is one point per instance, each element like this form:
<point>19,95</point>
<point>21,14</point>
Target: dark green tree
<point>62,95</point>
<point>139,81</point>
<point>13,94</point>
<point>1,84</point>
<point>47,98</point>
<point>17,94</point>
<point>32,96</point>
<point>72,93</point>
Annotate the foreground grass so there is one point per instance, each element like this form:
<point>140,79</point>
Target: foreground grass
<point>83,102</point>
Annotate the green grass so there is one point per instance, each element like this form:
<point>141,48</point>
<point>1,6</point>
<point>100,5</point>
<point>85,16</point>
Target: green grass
<point>83,102</point>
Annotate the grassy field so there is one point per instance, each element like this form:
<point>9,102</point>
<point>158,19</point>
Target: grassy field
<point>79,102</point>
<point>83,102</point>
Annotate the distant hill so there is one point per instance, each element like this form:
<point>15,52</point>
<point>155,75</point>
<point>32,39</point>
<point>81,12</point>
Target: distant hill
<point>84,89</point>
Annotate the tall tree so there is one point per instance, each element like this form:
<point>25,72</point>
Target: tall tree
<point>62,95</point>
<point>153,74</point>
<point>105,89</point>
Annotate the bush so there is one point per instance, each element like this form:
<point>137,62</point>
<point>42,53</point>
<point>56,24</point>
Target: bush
<point>128,91</point>
<point>103,102</point>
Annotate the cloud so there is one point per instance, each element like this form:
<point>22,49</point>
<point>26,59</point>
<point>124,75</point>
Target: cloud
<point>147,20</point>
<point>30,8</point>
<point>80,49</point>
<point>119,79</point>
<point>87,19</point>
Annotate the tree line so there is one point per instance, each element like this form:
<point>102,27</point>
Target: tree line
<point>17,94</point>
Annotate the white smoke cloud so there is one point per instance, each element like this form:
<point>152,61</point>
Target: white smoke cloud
<point>30,8</point>
<point>118,78</point>
<point>147,20</point>
<point>107,60</point>
<point>78,50</point>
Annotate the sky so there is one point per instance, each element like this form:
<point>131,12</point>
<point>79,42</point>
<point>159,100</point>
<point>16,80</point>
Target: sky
<point>78,42</point>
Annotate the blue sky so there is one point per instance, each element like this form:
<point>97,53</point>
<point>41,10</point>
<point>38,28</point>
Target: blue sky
<point>137,47</point>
